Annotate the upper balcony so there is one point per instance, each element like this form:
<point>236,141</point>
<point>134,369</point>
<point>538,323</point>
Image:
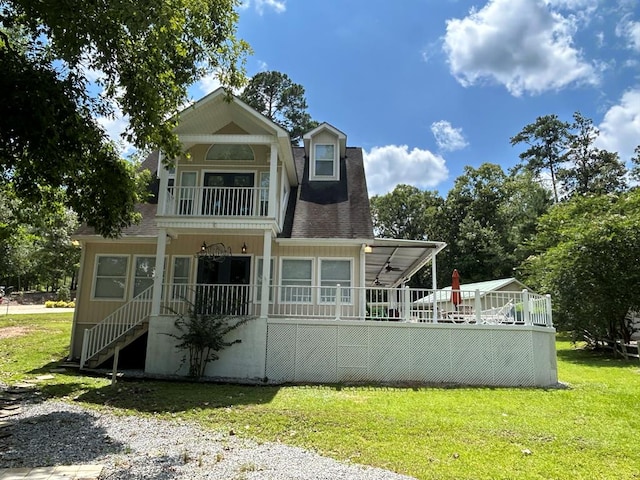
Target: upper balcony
<point>228,202</point>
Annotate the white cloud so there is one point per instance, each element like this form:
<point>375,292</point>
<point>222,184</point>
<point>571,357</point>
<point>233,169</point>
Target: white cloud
<point>521,44</point>
<point>630,31</point>
<point>208,83</point>
<point>115,126</point>
<point>620,127</point>
<point>278,6</point>
<point>447,137</point>
<point>393,164</point>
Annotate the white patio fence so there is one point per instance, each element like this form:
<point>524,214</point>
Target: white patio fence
<point>364,303</point>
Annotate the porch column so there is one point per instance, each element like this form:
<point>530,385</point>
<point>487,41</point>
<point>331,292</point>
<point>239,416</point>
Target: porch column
<point>273,182</point>
<point>266,274</point>
<point>434,286</point>
<point>161,247</point>
<point>163,176</point>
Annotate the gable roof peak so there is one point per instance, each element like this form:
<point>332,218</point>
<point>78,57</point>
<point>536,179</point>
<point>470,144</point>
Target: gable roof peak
<point>326,127</point>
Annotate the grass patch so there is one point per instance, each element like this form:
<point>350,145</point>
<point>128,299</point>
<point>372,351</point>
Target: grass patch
<point>588,430</point>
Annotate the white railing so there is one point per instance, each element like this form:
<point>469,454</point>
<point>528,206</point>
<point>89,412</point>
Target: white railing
<point>116,325</point>
<point>364,303</point>
<point>216,201</point>
<point>207,298</point>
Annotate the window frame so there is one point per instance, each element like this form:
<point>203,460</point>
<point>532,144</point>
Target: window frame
<point>234,160</point>
<point>348,288</point>
<point>189,276</point>
<point>133,272</point>
<point>314,174</point>
<point>125,277</point>
<point>281,297</point>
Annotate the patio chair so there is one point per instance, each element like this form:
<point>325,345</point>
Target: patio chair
<point>498,315</point>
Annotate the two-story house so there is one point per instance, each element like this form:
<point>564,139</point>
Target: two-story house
<point>281,233</point>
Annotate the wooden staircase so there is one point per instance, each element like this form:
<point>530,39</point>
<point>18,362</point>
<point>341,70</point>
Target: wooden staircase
<point>121,342</point>
<point>121,328</point>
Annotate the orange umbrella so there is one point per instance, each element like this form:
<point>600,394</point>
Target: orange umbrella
<point>455,289</point>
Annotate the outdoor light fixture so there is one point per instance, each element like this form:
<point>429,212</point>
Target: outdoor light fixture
<point>244,247</point>
<point>216,252</point>
<point>368,249</point>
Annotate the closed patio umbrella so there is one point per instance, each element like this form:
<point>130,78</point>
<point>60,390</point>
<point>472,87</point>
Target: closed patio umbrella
<point>455,289</point>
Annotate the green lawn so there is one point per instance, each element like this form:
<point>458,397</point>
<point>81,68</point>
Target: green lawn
<point>589,430</point>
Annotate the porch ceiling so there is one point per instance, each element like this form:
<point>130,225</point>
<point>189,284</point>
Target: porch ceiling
<point>392,261</point>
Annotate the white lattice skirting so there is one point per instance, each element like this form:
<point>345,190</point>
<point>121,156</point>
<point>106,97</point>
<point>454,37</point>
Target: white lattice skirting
<point>334,352</point>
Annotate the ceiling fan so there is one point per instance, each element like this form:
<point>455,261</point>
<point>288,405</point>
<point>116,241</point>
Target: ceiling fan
<point>389,268</point>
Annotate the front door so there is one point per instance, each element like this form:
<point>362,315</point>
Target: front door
<point>223,287</point>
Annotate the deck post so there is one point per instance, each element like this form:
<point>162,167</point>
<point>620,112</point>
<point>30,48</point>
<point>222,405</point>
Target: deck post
<point>85,347</point>
<point>266,274</point>
<point>526,307</point>
<point>338,302</point>
<point>407,304</point>
<point>478,306</point>
<point>434,287</point>
<point>159,274</point>
<point>549,316</point>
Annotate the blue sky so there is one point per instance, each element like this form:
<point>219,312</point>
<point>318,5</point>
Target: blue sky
<point>426,87</point>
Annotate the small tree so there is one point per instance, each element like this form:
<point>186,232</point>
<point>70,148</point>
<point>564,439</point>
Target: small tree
<point>276,96</point>
<point>203,331</point>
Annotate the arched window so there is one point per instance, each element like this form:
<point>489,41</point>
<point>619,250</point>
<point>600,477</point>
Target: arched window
<point>230,152</point>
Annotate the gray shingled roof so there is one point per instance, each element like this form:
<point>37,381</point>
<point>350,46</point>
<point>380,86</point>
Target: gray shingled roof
<point>329,209</point>
<point>146,227</point>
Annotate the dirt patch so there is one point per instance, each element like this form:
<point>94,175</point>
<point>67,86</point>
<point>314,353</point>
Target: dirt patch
<point>9,332</point>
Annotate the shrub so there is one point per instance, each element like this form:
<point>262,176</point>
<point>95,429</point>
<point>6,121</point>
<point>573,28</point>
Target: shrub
<point>203,330</point>
<point>49,304</point>
<point>64,294</point>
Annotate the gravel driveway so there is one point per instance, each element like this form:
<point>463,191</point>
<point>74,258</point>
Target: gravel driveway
<point>57,433</point>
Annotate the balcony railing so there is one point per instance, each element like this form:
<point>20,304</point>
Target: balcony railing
<point>216,202</point>
<point>363,303</point>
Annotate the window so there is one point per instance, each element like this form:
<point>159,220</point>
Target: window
<point>324,161</point>
<point>333,273</point>
<point>259,279</point>
<point>187,193</point>
<point>296,281</point>
<point>111,277</point>
<point>230,152</point>
<point>181,270</point>
<point>145,270</point>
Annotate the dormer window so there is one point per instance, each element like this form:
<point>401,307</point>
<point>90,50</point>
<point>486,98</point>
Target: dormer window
<point>324,162</point>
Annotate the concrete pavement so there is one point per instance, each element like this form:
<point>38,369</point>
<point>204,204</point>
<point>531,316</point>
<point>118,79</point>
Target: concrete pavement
<point>15,309</point>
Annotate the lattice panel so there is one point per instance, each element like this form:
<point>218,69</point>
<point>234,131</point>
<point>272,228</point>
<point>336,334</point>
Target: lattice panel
<point>327,353</point>
<point>353,335</point>
<point>430,355</point>
<point>281,354</point>
<point>316,354</point>
<point>471,358</point>
<point>353,353</point>
<point>513,358</point>
<point>544,358</point>
<point>390,354</point>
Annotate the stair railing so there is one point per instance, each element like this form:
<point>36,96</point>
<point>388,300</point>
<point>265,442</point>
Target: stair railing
<point>119,322</point>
